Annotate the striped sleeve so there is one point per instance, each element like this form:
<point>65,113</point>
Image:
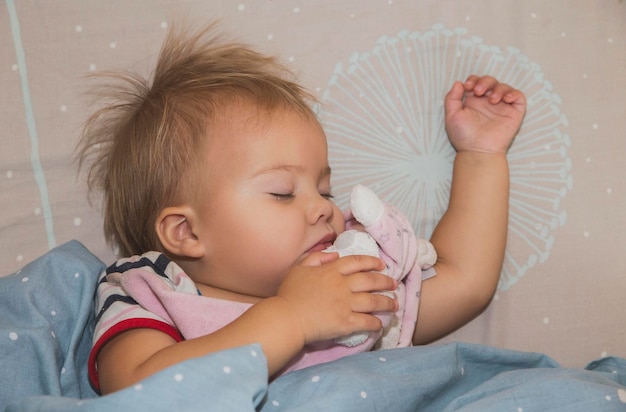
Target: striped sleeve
<point>116,312</point>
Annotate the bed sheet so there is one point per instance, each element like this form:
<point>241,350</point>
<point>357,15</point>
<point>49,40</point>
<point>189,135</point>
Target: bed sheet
<point>46,323</point>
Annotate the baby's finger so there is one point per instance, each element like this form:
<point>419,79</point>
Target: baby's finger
<point>359,263</point>
<point>364,322</point>
<point>373,302</point>
<point>319,258</point>
<point>481,85</point>
<point>371,282</point>
<point>454,99</point>
<point>498,92</point>
<point>514,96</point>
<point>470,82</point>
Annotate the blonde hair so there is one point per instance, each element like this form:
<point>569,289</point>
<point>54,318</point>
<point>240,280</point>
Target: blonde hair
<point>142,146</point>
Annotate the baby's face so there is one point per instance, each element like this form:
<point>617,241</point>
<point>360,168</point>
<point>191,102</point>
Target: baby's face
<point>267,203</point>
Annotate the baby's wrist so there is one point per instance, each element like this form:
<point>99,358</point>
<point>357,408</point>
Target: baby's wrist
<point>288,317</point>
<point>471,163</point>
<point>479,157</point>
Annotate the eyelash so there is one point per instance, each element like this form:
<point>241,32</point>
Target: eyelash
<point>281,196</point>
<point>288,196</point>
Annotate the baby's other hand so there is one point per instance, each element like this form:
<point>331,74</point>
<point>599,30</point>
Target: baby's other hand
<point>483,115</point>
<point>333,297</point>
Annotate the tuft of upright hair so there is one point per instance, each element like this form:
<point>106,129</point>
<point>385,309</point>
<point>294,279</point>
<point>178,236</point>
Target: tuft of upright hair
<point>141,146</point>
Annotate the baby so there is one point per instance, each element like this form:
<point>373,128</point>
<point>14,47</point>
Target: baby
<point>219,165</point>
<point>383,232</point>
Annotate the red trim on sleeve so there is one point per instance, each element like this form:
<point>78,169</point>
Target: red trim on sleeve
<point>123,326</point>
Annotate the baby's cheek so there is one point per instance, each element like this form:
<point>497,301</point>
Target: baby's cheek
<point>338,223</point>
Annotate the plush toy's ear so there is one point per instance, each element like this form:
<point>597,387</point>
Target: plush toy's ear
<point>175,230</point>
<point>365,205</point>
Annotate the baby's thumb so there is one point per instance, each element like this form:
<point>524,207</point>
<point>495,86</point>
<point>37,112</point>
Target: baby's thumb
<point>319,258</point>
<point>454,99</point>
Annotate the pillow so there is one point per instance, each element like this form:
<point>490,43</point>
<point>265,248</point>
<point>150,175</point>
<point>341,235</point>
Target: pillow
<point>46,324</point>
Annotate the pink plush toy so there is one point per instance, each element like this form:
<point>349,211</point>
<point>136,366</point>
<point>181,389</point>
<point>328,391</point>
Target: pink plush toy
<point>388,234</point>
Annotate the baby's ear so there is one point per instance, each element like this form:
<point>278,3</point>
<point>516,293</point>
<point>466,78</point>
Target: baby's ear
<point>175,229</point>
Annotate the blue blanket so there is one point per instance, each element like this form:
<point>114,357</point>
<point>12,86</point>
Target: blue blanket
<point>46,322</point>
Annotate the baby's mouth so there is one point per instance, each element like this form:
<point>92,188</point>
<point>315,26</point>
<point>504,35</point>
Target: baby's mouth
<point>324,243</point>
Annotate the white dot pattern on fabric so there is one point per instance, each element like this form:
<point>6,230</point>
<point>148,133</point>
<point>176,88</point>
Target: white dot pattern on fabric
<point>25,279</point>
<point>226,369</point>
<point>315,379</point>
<point>253,353</point>
<point>138,387</point>
<point>178,377</point>
<point>13,336</point>
<point>76,275</point>
<point>382,359</point>
<point>275,403</point>
<point>363,394</point>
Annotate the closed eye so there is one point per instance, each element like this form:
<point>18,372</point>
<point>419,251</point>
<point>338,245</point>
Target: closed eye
<point>283,196</point>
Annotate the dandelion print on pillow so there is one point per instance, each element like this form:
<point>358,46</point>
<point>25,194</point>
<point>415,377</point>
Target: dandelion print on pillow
<point>384,117</point>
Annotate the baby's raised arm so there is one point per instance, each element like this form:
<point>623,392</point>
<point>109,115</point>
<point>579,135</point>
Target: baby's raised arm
<point>482,118</point>
<point>322,298</point>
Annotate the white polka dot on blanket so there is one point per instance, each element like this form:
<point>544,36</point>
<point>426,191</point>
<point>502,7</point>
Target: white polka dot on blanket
<point>315,379</point>
<point>178,377</point>
<point>227,369</point>
<point>13,336</point>
<point>363,394</point>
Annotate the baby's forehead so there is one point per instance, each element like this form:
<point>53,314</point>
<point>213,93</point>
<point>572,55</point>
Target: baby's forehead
<point>238,121</point>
